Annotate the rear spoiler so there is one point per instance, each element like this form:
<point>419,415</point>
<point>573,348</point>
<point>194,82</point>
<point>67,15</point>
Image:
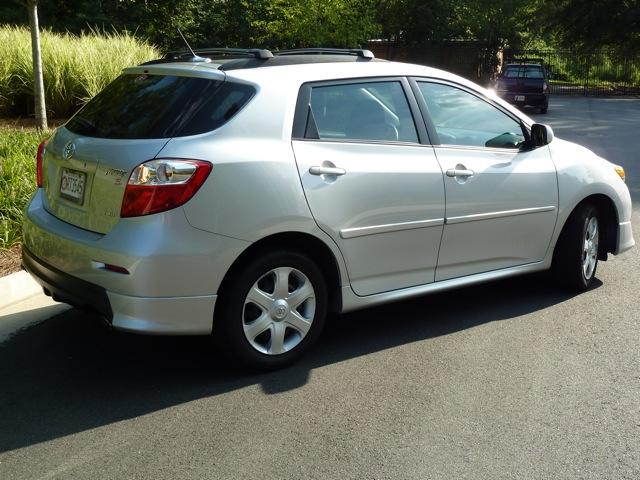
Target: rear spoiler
<point>208,70</point>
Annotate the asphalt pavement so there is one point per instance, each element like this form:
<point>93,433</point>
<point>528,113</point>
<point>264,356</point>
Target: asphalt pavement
<point>512,380</point>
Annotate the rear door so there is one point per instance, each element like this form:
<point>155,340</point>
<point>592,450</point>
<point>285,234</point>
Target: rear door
<point>501,202</point>
<point>369,182</point>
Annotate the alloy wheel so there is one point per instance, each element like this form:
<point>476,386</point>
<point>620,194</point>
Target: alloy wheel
<point>590,248</point>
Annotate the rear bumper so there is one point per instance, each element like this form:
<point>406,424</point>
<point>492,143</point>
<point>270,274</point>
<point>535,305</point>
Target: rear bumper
<point>529,98</point>
<point>165,315</point>
<point>66,288</point>
<point>174,269</point>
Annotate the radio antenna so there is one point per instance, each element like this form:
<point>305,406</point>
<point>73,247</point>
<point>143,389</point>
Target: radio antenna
<point>195,58</point>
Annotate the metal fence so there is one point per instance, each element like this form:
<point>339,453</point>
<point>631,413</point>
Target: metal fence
<point>572,73</point>
<point>595,73</point>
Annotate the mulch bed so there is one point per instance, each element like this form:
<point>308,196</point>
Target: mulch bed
<point>28,123</point>
<point>10,260</point>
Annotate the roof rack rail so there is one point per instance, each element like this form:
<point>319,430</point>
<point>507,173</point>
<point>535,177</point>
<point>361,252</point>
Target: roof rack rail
<point>522,60</point>
<point>213,52</point>
<point>360,52</point>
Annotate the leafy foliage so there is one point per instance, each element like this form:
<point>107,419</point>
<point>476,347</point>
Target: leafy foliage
<point>590,25</point>
<point>291,23</point>
<point>585,24</point>
<point>17,180</point>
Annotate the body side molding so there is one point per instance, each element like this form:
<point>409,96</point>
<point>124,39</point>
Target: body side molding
<point>505,213</point>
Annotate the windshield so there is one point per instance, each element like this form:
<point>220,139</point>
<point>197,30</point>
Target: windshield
<point>139,106</point>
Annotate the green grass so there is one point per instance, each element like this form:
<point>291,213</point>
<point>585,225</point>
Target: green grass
<point>17,180</point>
<point>75,67</point>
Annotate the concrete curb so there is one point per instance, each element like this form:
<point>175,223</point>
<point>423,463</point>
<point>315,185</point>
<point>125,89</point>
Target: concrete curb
<point>17,287</point>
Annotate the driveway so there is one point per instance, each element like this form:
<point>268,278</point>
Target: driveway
<point>507,380</point>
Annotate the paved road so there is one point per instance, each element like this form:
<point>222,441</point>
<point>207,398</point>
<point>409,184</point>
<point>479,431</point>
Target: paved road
<point>510,380</point>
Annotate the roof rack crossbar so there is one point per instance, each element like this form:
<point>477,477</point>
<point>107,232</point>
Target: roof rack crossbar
<point>523,60</point>
<point>360,52</point>
<point>252,52</point>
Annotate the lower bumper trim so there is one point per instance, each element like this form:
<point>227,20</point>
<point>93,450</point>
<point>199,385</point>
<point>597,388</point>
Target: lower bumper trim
<point>67,288</point>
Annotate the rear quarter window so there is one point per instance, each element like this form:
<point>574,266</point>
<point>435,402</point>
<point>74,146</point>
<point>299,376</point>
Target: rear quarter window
<point>137,106</point>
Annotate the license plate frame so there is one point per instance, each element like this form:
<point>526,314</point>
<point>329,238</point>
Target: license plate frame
<point>72,185</point>
<point>519,98</point>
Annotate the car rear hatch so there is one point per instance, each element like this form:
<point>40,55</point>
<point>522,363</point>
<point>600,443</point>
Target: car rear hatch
<point>85,177</point>
<point>508,84</point>
<point>88,162</point>
<point>522,79</point>
<point>531,85</point>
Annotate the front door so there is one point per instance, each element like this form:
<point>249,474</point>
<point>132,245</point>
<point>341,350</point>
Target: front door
<point>501,202</point>
<point>369,182</point>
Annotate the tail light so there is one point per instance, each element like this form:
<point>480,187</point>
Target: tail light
<point>162,184</point>
<point>545,87</point>
<point>39,157</point>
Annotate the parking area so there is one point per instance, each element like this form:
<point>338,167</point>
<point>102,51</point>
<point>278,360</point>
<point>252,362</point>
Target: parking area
<point>512,379</point>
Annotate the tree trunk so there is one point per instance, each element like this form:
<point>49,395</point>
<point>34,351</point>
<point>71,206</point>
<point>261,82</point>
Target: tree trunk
<point>38,84</point>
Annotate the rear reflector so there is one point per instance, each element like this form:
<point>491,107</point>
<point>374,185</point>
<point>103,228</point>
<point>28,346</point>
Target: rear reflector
<point>162,184</point>
<point>116,268</point>
<point>109,267</point>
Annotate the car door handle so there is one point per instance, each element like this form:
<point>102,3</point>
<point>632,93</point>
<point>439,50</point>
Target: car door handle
<point>458,172</point>
<point>327,171</point>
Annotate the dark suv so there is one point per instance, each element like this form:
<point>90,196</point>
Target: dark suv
<point>524,84</point>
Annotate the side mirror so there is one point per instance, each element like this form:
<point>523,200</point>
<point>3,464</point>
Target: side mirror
<point>541,135</point>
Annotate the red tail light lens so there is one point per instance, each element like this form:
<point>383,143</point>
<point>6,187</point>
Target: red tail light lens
<point>162,184</point>
<point>39,157</point>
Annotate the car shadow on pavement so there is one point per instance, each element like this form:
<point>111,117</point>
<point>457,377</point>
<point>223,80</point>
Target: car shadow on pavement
<point>72,373</point>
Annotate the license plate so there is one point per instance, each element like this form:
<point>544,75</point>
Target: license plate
<point>72,185</point>
<point>519,98</point>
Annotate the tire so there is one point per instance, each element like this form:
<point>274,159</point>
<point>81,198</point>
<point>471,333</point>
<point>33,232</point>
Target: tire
<point>544,109</point>
<point>258,325</point>
<point>575,259</point>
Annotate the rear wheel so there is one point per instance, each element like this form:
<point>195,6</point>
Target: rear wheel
<point>273,311</point>
<point>544,108</point>
<point>575,259</point>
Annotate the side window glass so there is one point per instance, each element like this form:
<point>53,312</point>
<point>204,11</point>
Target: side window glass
<point>376,111</point>
<point>461,118</point>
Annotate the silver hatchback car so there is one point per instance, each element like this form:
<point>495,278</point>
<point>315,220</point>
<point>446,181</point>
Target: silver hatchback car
<point>246,194</point>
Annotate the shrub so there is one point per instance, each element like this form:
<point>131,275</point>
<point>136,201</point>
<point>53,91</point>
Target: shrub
<point>17,180</point>
<point>75,67</point>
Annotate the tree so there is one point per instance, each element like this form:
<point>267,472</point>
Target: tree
<point>38,81</point>
<point>298,23</point>
<point>589,25</point>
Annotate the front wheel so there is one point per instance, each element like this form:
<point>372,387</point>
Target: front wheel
<point>273,310</point>
<point>575,259</point>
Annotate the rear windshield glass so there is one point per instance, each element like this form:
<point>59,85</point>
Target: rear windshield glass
<point>520,72</point>
<point>159,106</point>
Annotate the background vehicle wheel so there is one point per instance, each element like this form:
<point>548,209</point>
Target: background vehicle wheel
<point>273,310</point>
<point>544,109</point>
<point>575,258</point>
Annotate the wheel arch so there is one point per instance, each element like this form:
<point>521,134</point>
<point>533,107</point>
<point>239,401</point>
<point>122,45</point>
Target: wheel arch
<point>608,216</point>
<point>305,243</point>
